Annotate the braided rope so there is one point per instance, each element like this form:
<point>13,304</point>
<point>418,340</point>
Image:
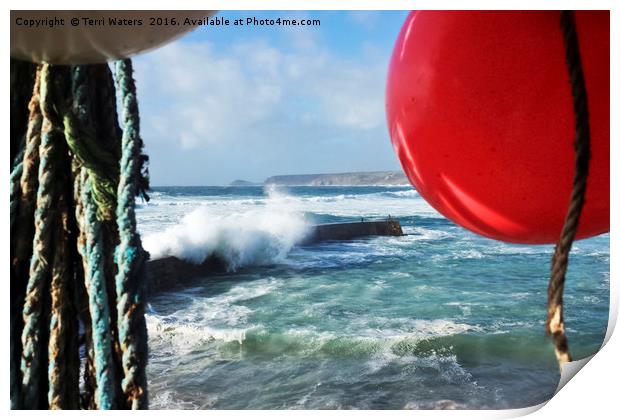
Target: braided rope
<point>109,136</point>
<point>73,274</point>
<point>29,165</point>
<point>63,371</point>
<point>97,152</point>
<point>89,376</point>
<point>130,257</point>
<point>44,217</point>
<point>559,263</point>
<point>21,245</point>
<point>23,198</point>
<point>82,138</point>
<point>98,301</point>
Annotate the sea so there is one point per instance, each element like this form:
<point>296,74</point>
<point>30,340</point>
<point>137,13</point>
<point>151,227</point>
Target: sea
<point>438,318</point>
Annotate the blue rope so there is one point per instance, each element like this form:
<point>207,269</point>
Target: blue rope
<point>89,377</point>
<point>130,257</point>
<point>33,332</point>
<point>98,301</point>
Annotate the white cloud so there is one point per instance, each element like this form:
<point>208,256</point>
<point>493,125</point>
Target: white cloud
<point>198,95</point>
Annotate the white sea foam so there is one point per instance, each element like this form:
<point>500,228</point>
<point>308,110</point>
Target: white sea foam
<point>468,254</point>
<point>385,334</point>
<point>222,317</point>
<point>169,399</point>
<point>424,234</point>
<point>409,193</point>
<point>591,299</point>
<point>182,337</point>
<point>393,345</point>
<point>435,405</point>
<point>260,235</point>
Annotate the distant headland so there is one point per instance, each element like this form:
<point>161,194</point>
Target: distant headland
<point>340,179</point>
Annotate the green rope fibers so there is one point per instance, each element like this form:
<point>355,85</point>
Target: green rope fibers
<point>82,137</point>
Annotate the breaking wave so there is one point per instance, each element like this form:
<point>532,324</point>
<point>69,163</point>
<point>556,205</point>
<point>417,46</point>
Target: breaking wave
<point>258,236</point>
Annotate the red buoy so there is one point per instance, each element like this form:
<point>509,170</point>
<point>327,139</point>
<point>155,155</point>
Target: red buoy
<point>480,114</point>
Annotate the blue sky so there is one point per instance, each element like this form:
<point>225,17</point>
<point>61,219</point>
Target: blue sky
<point>226,103</point>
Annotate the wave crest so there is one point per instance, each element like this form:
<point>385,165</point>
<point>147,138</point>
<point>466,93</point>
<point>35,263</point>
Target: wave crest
<point>259,236</point>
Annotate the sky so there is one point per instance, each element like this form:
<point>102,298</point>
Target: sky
<point>227,103</point>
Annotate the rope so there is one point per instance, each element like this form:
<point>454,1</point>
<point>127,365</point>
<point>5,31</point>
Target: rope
<point>27,165</point>
<point>23,198</point>
<point>63,370</point>
<point>75,251</point>
<point>98,301</point>
<point>559,263</point>
<point>87,397</point>
<point>88,118</point>
<point>83,140</point>
<point>130,256</point>
<point>44,217</point>
<point>109,135</point>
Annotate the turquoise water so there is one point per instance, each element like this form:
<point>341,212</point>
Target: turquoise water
<point>439,318</point>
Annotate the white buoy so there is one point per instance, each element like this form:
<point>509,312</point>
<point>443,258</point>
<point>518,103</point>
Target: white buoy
<point>88,37</point>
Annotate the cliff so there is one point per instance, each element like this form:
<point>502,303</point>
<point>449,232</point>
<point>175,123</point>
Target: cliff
<point>244,183</point>
<point>347,178</point>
